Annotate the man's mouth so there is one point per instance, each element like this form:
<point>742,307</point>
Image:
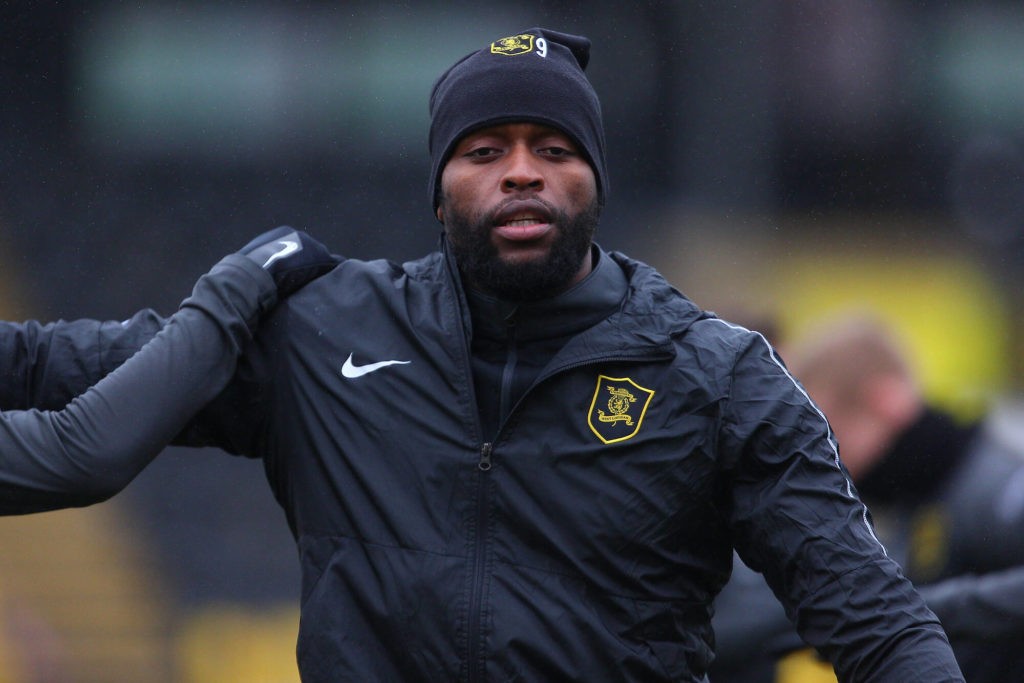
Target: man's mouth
<point>521,224</point>
<point>523,229</point>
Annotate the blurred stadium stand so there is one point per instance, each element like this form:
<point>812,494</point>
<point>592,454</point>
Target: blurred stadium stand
<point>776,159</point>
<point>90,608</point>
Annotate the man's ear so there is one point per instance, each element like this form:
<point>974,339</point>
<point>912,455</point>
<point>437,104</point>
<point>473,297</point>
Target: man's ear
<point>440,215</point>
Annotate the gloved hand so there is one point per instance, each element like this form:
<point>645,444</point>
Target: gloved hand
<point>292,257</point>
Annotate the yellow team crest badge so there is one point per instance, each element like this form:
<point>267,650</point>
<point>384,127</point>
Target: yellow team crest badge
<point>618,408</point>
<point>513,45</point>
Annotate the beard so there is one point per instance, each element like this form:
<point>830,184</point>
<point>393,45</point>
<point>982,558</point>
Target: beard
<point>520,280</point>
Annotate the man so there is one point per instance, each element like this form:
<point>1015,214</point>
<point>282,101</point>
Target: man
<point>524,458</point>
<point>946,498</point>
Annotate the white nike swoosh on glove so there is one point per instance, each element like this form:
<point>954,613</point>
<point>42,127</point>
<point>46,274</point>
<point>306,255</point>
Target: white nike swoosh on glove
<point>289,248</point>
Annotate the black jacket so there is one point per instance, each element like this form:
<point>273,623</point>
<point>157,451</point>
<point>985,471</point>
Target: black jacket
<point>588,536</point>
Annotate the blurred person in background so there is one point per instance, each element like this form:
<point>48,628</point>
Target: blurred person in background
<point>523,457</point>
<point>947,500</point>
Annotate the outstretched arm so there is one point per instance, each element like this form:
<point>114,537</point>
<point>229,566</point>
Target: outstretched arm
<point>91,449</point>
<point>798,520</point>
<point>983,607</point>
<point>46,365</point>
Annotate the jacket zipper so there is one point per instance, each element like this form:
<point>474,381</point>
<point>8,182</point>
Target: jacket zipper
<point>509,371</point>
<point>483,466</point>
<point>476,607</point>
<point>485,457</point>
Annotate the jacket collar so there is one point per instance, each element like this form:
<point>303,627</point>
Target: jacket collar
<point>651,314</point>
<point>583,305</point>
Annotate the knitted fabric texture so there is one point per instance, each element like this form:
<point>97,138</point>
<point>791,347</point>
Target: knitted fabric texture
<point>534,76</point>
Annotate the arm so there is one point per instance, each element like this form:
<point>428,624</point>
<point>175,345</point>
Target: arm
<point>91,449</point>
<point>752,633</point>
<point>981,607</point>
<point>45,366</point>
<point>798,520</point>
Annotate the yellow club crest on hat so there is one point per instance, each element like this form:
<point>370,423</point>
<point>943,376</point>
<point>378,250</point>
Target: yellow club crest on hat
<point>513,45</point>
<point>618,408</point>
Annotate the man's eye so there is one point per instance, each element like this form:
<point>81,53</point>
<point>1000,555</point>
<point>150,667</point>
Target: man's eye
<point>557,151</point>
<point>480,152</point>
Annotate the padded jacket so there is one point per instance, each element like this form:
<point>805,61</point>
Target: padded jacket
<point>586,538</point>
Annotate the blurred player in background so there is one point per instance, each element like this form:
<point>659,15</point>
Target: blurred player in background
<point>947,499</point>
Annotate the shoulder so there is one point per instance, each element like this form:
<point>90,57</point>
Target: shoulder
<point>353,279</point>
<point>727,336</point>
<point>652,302</point>
<point>709,350</point>
<point>655,304</point>
<point>358,293</point>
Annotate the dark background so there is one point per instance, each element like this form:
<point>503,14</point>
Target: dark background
<point>141,141</point>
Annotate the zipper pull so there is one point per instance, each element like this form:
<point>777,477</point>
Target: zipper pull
<point>485,457</point>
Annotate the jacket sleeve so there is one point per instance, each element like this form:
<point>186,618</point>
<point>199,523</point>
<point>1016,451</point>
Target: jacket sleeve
<point>980,607</point>
<point>92,448</point>
<point>797,519</point>
<point>751,628</point>
<point>46,365</point>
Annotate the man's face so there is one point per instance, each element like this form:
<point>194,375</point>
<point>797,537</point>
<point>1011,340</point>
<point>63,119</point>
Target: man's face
<point>519,203</point>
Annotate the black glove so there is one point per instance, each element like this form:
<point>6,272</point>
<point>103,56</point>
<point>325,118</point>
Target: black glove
<point>292,257</point>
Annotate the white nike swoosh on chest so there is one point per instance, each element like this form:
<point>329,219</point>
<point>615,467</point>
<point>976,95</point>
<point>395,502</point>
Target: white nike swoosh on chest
<point>351,370</point>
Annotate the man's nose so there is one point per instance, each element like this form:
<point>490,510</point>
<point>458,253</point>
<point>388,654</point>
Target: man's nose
<point>523,170</point>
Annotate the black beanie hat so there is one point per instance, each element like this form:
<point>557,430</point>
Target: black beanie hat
<point>534,76</point>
